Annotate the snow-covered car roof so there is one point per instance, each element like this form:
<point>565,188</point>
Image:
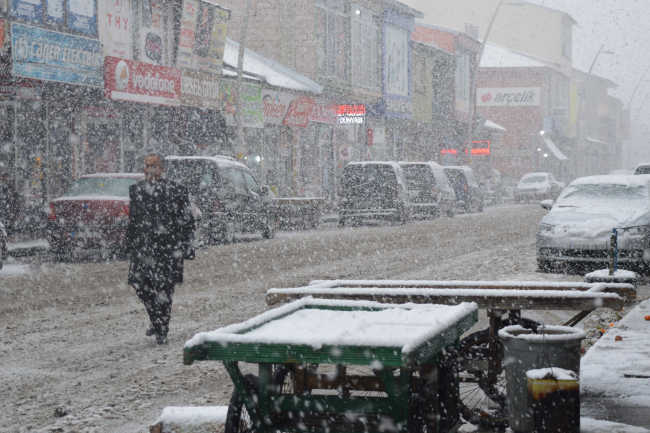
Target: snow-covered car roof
<point>638,180</point>
<point>540,173</point>
<point>457,167</point>
<point>115,175</point>
<point>431,163</point>
<point>364,163</point>
<point>642,164</point>
<point>223,161</point>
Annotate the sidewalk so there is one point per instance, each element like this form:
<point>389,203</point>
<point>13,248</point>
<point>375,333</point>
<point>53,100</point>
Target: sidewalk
<point>615,375</point>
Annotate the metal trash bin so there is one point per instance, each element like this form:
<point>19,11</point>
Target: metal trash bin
<point>553,346</point>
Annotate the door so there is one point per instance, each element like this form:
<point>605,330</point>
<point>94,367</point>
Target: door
<point>235,196</point>
<point>256,210</point>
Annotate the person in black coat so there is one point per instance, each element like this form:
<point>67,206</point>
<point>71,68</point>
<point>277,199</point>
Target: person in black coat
<point>158,238</point>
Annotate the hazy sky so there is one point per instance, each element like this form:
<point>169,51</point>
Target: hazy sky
<point>623,26</point>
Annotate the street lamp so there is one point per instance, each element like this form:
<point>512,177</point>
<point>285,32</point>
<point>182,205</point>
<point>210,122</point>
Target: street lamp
<point>473,77</point>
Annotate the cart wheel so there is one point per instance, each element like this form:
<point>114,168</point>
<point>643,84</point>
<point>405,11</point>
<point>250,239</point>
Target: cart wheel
<point>238,420</point>
<point>483,402</point>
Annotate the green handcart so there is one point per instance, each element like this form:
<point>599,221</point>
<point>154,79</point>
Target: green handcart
<point>342,366</point>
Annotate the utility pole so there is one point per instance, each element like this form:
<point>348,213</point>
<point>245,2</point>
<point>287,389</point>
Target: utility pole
<point>240,68</point>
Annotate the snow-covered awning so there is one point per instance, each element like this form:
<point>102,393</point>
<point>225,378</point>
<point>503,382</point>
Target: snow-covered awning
<point>491,125</point>
<point>275,74</point>
<point>554,150</point>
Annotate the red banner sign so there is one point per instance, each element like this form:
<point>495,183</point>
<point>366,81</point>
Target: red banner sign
<point>126,80</point>
<point>299,112</point>
<point>324,111</point>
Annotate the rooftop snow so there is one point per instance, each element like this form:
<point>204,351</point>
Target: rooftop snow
<point>406,326</point>
<point>276,74</point>
<point>497,56</point>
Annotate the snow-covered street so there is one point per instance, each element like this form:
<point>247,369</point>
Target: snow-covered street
<point>73,333</point>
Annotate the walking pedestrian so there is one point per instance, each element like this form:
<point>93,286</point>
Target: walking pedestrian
<point>158,238</point>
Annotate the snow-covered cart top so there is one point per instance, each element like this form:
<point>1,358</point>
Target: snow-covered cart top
<point>506,295</point>
<point>338,332</point>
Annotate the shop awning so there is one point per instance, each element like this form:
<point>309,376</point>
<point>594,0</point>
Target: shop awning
<point>491,125</point>
<point>593,140</point>
<point>275,74</point>
<point>554,150</point>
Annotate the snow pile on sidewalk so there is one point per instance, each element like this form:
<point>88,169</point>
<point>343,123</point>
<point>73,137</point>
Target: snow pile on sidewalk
<point>194,419</point>
<point>588,425</point>
<point>621,369</point>
<point>599,323</point>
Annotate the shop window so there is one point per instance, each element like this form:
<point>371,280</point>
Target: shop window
<point>252,184</point>
<point>366,44</point>
<point>332,28</point>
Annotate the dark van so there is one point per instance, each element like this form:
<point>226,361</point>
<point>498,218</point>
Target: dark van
<point>230,199</point>
<point>469,195</point>
<point>373,190</point>
<point>429,188</point>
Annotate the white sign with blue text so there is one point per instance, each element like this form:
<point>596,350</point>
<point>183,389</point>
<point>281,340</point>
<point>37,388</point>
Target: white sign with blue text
<point>46,55</point>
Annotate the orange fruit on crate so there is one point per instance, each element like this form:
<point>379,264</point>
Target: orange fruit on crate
<point>647,317</point>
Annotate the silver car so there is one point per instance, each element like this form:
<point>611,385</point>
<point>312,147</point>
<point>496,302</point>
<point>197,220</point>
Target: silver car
<point>537,186</point>
<point>578,227</point>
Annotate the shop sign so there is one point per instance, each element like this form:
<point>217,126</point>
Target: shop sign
<point>299,112</point>
<point>81,16</point>
<point>151,34</point>
<point>118,20</point>
<point>199,89</point>
<point>2,33</point>
<point>476,149</point>
<point>508,96</point>
<point>351,114</point>
<point>202,36</point>
<point>47,55</point>
<point>275,106</point>
<point>561,112</point>
<point>6,88</point>
<point>30,10</point>
<point>252,110</point>
<point>324,111</point>
<point>127,80</point>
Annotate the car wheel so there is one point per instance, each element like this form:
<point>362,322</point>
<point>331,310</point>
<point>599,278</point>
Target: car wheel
<point>226,233</point>
<point>270,229</point>
<point>61,253</point>
<point>480,206</point>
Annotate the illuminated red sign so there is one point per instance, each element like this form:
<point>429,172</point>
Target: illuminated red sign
<point>350,114</point>
<point>475,150</point>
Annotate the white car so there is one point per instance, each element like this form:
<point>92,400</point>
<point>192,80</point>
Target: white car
<point>643,168</point>
<point>621,172</point>
<point>537,186</point>
<point>578,227</point>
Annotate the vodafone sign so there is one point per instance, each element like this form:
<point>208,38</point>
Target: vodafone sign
<point>126,80</point>
<point>508,96</point>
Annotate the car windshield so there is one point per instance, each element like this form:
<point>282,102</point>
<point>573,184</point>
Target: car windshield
<point>534,179</point>
<point>418,177</point>
<point>643,170</point>
<point>455,176</point>
<point>101,186</point>
<point>195,175</point>
<point>372,174</point>
<point>575,194</point>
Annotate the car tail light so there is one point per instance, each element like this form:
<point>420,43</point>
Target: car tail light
<point>219,206</point>
<point>51,215</point>
<point>465,187</point>
<point>123,212</point>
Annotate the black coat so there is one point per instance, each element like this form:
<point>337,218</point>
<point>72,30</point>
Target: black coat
<point>160,231</point>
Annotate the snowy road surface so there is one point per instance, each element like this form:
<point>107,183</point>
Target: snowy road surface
<point>73,333</point>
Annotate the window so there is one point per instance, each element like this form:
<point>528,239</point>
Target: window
<point>366,45</point>
<point>239,182</point>
<point>462,80</point>
<point>252,184</point>
<point>419,74</point>
<point>332,25</point>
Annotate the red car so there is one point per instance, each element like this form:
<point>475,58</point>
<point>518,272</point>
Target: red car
<point>93,213</point>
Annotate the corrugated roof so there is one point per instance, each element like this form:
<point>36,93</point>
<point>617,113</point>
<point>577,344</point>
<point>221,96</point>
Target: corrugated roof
<point>275,74</point>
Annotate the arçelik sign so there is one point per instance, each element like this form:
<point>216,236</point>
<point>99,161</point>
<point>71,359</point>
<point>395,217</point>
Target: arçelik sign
<point>508,96</point>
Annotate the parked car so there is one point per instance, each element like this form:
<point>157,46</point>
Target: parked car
<point>429,189</point>
<point>373,190</point>
<point>622,172</point>
<point>3,244</point>
<point>643,168</point>
<point>92,214</point>
<point>228,195</point>
<point>469,194</point>
<point>537,186</point>
<point>578,227</point>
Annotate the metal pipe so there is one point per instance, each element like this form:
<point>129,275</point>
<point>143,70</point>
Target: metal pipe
<point>240,68</point>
